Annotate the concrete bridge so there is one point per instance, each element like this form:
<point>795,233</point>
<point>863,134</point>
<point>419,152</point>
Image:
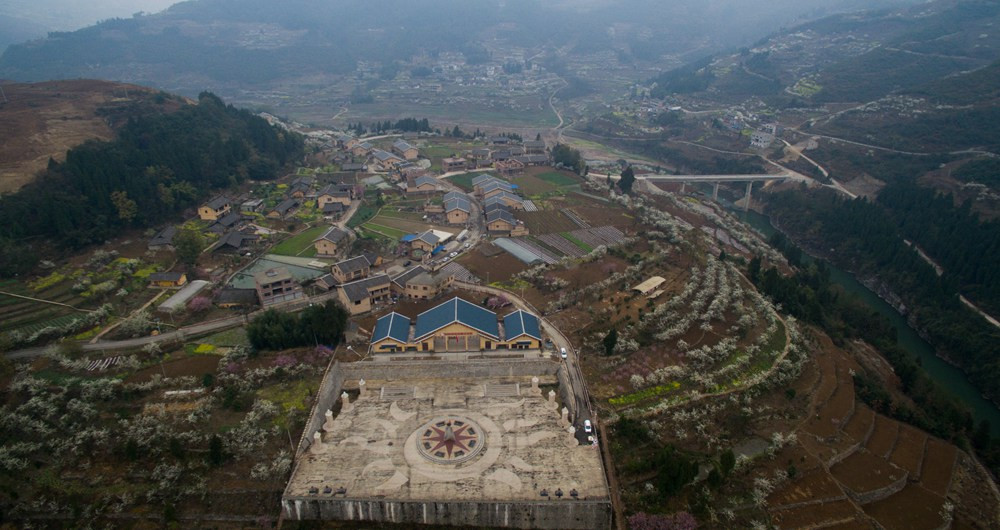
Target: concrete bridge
<point>716,180</point>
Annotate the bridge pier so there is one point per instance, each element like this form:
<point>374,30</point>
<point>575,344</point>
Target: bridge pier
<point>746,206</point>
<point>715,192</point>
<point>683,184</point>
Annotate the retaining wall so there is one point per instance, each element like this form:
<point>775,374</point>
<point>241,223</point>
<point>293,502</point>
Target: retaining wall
<point>553,514</point>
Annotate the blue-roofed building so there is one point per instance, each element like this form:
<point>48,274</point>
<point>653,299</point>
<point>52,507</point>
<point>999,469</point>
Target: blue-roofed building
<point>392,333</point>
<point>522,330</point>
<point>408,238</point>
<point>457,325</point>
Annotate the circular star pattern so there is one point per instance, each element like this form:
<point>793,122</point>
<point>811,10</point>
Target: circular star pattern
<point>450,440</point>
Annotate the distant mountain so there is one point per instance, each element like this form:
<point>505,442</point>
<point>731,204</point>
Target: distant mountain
<point>852,58</point>
<point>14,30</point>
<point>250,43</point>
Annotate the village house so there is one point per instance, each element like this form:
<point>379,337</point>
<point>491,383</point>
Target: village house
<point>419,283</point>
<point>494,187</point>
<point>340,193</point>
<point>215,208</point>
<point>300,187</point>
<point>500,221</point>
<point>457,210</point>
<point>230,298</point>
<point>235,241</point>
<point>453,164</point>
<point>362,149</point>
<point>352,269</point>
<point>421,185</point>
<point>167,280</point>
<point>761,139</point>
<point>456,326</point>
<point>331,242</point>
<point>534,147</point>
<point>284,209</point>
<point>332,211</point>
<point>509,167</point>
<point>276,286</point>
<point>352,167</point>
<point>230,221</point>
<point>424,243</point>
<point>531,160</point>
<point>405,150</point>
<point>360,296</point>
<point>164,240</point>
<point>346,141</point>
<point>386,161</point>
<point>252,206</point>
<point>507,199</point>
<point>480,157</point>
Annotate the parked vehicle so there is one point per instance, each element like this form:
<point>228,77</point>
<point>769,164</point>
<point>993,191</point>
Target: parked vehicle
<point>587,427</point>
<point>562,351</point>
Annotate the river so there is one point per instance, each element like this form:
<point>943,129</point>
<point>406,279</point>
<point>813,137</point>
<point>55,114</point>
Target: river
<point>945,375</point>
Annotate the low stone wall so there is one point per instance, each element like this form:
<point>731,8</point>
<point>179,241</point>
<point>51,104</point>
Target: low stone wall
<point>326,396</point>
<point>553,514</point>
<point>881,493</point>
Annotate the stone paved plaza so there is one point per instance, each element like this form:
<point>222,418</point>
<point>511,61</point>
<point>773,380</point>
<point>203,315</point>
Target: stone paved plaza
<point>462,439</point>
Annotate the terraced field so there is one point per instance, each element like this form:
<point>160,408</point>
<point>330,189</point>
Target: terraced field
<point>551,248</point>
<point>897,475</point>
<point>28,316</point>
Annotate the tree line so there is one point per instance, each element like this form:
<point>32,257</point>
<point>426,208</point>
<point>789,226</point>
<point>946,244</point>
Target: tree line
<point>867,239</point>
<point>157,166</point>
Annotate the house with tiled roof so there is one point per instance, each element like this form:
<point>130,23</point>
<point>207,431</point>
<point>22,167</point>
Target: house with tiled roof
<point>425,242</point>
<point>362,149</point>
<point>351,269</point>
<point>392,333</point>
<point>362,295</point>
<point>405,150</point>
<point>421,184</point>
<point>340,193</point>
<point>331,242</point>
<point>508,199</point>
<point>284,209</point>
<point>457,210</point>
<point>215,208</point>
<point>457,326</point>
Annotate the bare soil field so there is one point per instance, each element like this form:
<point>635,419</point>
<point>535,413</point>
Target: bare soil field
<point>546,222</point>
<point>939,462</point>
<point>43,120</point>
<point>883,437</point>
<point>913,508</point>
<point>860,425</point>
<point>498,268</point>
<point>909,450</point>
<point>815,515</point>
<point>863,472</point>
<point>812,486</point>
<point>196,366</point>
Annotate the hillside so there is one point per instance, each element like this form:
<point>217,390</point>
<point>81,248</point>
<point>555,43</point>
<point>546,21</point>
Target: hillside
<point>850,58</point>
<point>44,120</point>
<point>239,47</point>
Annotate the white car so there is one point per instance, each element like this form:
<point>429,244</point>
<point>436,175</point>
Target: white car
<point>445,259</point>
<point>587,427</point>
<point>467,245</point>
<point>562,352</point>
<point>453,254</point>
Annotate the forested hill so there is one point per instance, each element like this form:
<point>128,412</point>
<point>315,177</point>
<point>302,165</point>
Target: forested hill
<point>158,165</point>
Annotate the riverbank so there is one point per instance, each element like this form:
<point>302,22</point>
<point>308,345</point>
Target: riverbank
<point>943,372</point>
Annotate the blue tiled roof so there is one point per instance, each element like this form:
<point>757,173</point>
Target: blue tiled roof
<point>457,310</point>
<point>521,323</point>
<point>392,326</point>
<point>408,237</point>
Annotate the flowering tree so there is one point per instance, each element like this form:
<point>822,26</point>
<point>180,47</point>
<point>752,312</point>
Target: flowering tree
<point>199,304</point>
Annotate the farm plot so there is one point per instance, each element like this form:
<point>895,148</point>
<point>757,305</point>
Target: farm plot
<point>575,218</point>
<point>863,472</point>
<point>381,222</point>
<point>938,466</point>
<point>296,245</point>
<point>563,245</point>
<point>909,451</point>
<point>546,222</point>
<point>608,236</point>
<point>912,508</point>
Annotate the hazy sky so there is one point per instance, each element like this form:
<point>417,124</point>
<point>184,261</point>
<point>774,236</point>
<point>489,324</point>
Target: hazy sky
<point>63,15</point>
